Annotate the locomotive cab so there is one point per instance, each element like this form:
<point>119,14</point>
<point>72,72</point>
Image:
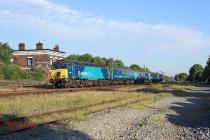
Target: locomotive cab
<point>58,75</point>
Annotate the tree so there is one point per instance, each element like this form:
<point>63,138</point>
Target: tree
<point>86,58</point>
<point>73,57</point>
<point>98,60</point>
<point>206,73</point>
<point>181,77</point>
<point>118,63</point>
<point>169,78</point>
<point>147,69</point>
<point>136,67</point>
<point>110,62</point>
<point>5,53</point>
<point>196,73</point>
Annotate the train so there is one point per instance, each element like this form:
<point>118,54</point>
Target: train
<point>70,73</point>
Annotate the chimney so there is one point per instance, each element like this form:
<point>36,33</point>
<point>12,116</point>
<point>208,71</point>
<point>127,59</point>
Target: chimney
<point>21,46</point>
<point>56,48</point>
<point>39,46</point>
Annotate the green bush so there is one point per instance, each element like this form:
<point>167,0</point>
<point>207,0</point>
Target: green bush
<point>27,75</point>
<point>13,72</point>
<point>5,53</point>
<point>2,71</point>
<point>39,74</point>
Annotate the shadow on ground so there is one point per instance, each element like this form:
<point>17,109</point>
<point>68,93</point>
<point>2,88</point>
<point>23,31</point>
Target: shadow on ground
<point>46,133</point>
<point>192,111</point>
<point>34,132</point>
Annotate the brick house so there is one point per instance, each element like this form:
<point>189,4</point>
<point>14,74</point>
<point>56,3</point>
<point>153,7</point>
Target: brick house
<point>39,57</point>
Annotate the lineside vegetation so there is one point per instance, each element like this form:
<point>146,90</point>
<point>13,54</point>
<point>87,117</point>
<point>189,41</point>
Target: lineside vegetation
<point>32,104</point>
<point>9,71</point>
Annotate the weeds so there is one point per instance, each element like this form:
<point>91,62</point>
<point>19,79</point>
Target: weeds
<point>151,99</point>
<point>22,105</point>
<point>181,87</point>
<point>144,123</point>
<point>168,87</point>
<point>164,110</point>
<point>28,104</point>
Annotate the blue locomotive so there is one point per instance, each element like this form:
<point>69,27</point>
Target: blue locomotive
<point>68,73</point>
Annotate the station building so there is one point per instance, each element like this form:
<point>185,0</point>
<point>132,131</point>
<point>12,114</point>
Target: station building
<point>38,57</point>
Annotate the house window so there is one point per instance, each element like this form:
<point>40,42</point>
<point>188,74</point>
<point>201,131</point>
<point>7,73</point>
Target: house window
<point>29,61</point>
<point>51,61</point>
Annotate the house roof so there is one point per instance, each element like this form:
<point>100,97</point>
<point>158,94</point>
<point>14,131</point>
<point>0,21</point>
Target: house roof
<point>38,50</point>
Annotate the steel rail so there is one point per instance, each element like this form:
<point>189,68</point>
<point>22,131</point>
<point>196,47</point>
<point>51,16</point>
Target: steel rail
<point>21,123</point>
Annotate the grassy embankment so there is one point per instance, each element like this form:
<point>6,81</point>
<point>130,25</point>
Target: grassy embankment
<point>29,104</point>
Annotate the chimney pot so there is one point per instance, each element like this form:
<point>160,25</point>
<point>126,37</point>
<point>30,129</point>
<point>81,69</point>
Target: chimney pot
<point>21,46</point>
<point>56,48</point>
<point>39,46</point>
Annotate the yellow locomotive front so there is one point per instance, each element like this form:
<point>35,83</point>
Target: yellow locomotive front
<point>58,75</point>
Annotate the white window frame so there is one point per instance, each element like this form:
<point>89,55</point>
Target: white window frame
<point>31,58</point>
<point>51,61</point>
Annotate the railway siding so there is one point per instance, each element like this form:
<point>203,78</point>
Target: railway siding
<point>49,108</point>
<point>168,118</point>
<point>50,90</point>
<point>33,121</point>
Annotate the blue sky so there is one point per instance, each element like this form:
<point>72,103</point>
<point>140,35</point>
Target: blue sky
<point>164,35</point>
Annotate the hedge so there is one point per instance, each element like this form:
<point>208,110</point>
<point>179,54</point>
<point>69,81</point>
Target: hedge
<point>13,72</point>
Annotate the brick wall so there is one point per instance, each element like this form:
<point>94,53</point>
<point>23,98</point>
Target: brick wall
<point>42,59</point>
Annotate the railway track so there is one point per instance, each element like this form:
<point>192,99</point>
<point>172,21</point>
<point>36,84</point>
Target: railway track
<point>52,91</point>
<point>20,123</point>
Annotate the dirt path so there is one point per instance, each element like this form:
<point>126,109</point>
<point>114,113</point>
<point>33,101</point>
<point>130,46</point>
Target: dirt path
<point>185,116</point>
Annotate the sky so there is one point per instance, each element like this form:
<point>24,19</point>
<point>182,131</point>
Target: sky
<point>163,35</point>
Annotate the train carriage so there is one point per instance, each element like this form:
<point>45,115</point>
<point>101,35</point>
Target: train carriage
<point>148,77</point>
<point>142,77</point>
<point>157,77</point>
<point>123,75</point>
<point>68,73</point>
<point>126,75</point>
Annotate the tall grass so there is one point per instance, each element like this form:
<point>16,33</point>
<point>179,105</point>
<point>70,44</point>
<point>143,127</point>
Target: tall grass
<point>29,104</point>
<point>22,105</point>
<point>168,87</point>
<point>151,99</point>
